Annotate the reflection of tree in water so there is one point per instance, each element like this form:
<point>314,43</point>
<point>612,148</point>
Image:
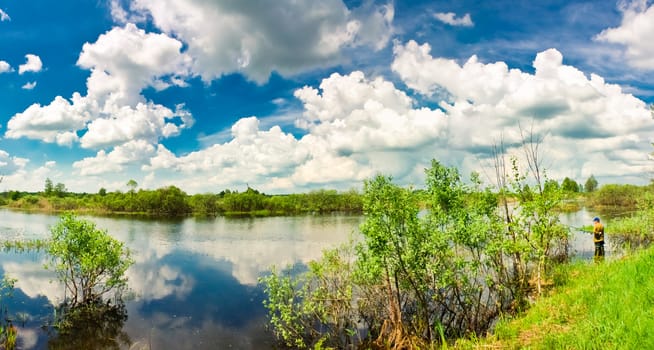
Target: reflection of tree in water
<point>96,326</point>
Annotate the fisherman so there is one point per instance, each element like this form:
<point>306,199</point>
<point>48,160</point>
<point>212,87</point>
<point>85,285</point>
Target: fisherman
<point>598,238</point>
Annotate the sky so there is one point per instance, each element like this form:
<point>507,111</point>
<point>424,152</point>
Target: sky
<point>295,95</point>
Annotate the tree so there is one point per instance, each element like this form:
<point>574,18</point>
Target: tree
<point>60,190</point>
<point>49,187</point>
<point>132,185</point>
<point>87,260</point>
<point>591,184</point>
<point>551,185</point>
<point>569,185</point>
<point>102,192</point>
<point>534,234</point>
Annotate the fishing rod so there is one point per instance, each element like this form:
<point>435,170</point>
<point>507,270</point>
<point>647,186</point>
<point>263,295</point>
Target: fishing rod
<point>580,229</point>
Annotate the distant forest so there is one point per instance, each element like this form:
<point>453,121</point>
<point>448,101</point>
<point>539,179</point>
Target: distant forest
<point>172,201</point>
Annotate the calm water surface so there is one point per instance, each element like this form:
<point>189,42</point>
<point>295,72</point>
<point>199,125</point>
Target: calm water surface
<point>194,282</point>
<point>193,285</point>
<point>581,243</point>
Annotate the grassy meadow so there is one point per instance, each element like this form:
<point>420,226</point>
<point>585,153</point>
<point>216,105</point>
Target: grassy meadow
<point>608,305</point>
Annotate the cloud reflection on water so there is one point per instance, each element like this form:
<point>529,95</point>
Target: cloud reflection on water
<point>194,282</point>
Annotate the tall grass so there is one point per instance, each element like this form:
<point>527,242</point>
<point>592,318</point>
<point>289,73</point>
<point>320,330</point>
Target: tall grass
<point>636,230</point>
<point>602,306</point>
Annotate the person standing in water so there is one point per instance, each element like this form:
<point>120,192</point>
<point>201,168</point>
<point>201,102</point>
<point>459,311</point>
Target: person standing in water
<point>598,238</point>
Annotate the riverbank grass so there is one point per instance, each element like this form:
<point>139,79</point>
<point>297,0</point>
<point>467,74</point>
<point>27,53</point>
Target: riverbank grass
<point>602,306</point>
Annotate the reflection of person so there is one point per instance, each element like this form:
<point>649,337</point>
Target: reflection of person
<point>598,237</point>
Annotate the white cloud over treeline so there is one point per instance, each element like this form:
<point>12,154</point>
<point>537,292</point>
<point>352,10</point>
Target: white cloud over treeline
<point>358,126</point>
<point>589,123</point>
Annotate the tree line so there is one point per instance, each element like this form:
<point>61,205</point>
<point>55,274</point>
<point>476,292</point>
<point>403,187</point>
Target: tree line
<point>569,185</point>
<point>172,201</point>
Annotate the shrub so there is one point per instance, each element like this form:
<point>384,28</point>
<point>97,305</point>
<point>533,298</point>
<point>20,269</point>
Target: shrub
<point>87,260</point>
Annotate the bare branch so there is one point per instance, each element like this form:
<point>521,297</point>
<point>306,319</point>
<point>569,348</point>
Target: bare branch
<point>501,176</point>
<point>530,145</point>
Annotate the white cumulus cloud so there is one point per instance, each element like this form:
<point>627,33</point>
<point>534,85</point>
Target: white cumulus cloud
<point>19,175</point>
<point>451,19</point>
<point>52,123</point>
<point>148,122</point>
<point>33,64</point>
<point>354,114</point>
<point>252,155</point>
<point>29,85</point>
<point>257,38</point>
<point>123,62</point>
<point>126,59</point>
<point>5,67</point>
<point>578,112</point>
<point>355,127</point>
<point>634,33</point>
<point>9,164</point>
<point>358,126</point>
<point>131,152</point>
<point>4,16</point>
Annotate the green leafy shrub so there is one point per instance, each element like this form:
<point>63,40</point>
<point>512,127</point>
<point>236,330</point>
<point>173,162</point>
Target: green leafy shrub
<point>315,309</point>
<point>419,276</point>
<point>87,260</point>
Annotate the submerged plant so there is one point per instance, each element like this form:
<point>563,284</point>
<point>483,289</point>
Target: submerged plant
<point>8,332</point>
<point>90,326</point>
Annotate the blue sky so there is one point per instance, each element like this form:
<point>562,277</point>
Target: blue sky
<point>209,95</point>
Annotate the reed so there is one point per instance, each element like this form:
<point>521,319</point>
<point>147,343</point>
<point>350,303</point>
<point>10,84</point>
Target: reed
<point>21,246</point>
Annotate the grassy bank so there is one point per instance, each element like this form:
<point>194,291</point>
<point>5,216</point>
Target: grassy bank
<point>600,306</point>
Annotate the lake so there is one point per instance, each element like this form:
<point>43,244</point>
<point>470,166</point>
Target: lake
<point>194,281</point>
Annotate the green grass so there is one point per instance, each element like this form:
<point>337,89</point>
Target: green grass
<point>601,306</point>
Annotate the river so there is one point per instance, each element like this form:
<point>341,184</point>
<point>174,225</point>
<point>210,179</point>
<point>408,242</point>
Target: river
<point>194,281</point>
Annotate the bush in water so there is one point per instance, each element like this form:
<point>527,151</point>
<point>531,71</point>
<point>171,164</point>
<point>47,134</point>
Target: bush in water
<point>87,260</point>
